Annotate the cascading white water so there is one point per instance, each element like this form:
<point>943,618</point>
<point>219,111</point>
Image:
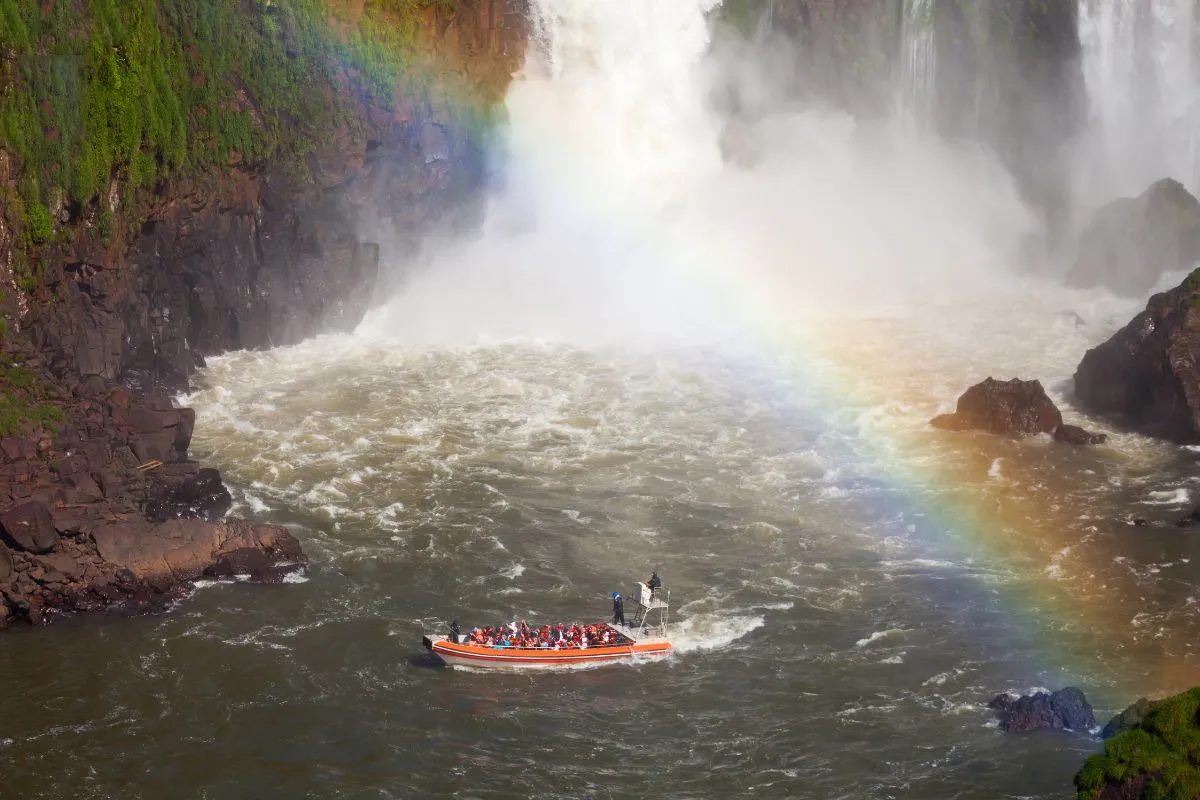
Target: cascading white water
<point>919,53</point>
<point>621,218</point>
<point>610,126</point>
<point>1142,73</point>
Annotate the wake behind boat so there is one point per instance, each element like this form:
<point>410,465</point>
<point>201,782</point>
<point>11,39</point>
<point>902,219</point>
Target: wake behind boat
<point>519,646</point>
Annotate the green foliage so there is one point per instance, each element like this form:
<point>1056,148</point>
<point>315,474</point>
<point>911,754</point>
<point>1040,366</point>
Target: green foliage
<point>41,224</point>
<point>742,15</point>
<point>104,226</point>
<point>145,89</point>
<point>21,405</point>
<point>1165,746</point>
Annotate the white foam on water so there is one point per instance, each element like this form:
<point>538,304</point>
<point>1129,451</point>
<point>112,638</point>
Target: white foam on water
<point>712,631</point>
<point>1168,497</point>
<point>513,572</point>
<point>879,635</point>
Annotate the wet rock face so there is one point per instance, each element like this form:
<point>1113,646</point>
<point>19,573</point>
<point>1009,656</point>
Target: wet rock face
<point>1146,376</point>
<point>1073,434</point>
<point>182,550</point>
<point>1065,709</point>
<point>1012,408</point>
<point>87,524</point>
<point>28,527</point>
<point>201,496</point>
<point>1127,719</point>
<point>1131,243</point>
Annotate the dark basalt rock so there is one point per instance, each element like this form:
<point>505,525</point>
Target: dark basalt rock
<point>1192,520</point>
<point>1132,242</point>
<point>1073,434</point>
<point>1012,408</point>
<point>1147,376</point>
<point>28,527</point>
<point>202,496</point>
<point>1065,709</point>
<point>1127,719</point>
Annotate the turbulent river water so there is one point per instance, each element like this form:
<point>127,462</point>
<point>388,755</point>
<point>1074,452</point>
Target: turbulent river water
<point>727,378</point>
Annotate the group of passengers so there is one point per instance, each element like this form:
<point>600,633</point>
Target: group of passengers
<point>553,637</point>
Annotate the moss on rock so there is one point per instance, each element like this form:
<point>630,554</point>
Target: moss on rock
<point>1159,758</point>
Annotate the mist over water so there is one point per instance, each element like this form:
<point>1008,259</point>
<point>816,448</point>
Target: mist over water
<point>703,329</point>
<point>1143,81</point>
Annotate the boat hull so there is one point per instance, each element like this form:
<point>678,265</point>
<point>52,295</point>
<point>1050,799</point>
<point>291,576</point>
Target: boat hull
<point>469,655</point>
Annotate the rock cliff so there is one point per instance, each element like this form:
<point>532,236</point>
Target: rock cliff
<point>276,156</point>
<point>1146,376</point>
<point>1130,243</point>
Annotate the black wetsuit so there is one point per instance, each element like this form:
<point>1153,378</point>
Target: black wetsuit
<point>618,611</point>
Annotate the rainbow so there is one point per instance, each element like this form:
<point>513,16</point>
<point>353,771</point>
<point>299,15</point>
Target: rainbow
<point>933,488</point>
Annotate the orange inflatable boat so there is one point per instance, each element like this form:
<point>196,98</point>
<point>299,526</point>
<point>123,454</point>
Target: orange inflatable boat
<point>643,637</point>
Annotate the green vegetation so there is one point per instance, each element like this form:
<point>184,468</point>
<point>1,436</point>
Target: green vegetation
<point>1165,746</point>
<point>147,89</point>
<point>742,15</point>
<point>22,402</point>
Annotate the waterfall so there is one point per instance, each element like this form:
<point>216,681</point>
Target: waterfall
<point>765,23</point>
<point>1141,70</point>
<point>917,98</point>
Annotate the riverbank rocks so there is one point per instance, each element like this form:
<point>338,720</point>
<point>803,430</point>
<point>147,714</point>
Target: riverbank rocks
<point>1014,408</point>
<point>1065,709</point>
<point>201,496</point>
<point>1156,757</point>
<point>1146,376</point>
<point>1131,243</point>
<point>181,550</point>
<point>28,527</point>
<point>87,525</point>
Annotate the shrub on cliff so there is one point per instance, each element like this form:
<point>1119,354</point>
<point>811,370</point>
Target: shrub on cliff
<point>1159,759</point>
<point>145,89</point>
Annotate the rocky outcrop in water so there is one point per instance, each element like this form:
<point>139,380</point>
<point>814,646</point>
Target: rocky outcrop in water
<point>1065,709</point>
<point>1073,434</point>
<point>100,506</point>
<point>1127,719</point>
<point>1131,243</point>
<point>1146,376</point>
<point>1014,409</point>
<point>1154,758</point>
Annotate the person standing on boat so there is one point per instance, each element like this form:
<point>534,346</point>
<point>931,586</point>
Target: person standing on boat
<point>618,609</point>
<point>454,631</point>
<point>655,583</point>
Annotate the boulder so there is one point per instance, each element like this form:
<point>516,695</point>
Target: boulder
<point>1131,243</point>
<point>1127,719</point>
<point>1066,709</point>
<point>1192,520</point>
<point>6,564</point>
<point>181,549</point>
<point>29,527</point>
<point>1146,376</point>
<point>202,496</point>
<point>1014,408</point>
<point>1073,434</point>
